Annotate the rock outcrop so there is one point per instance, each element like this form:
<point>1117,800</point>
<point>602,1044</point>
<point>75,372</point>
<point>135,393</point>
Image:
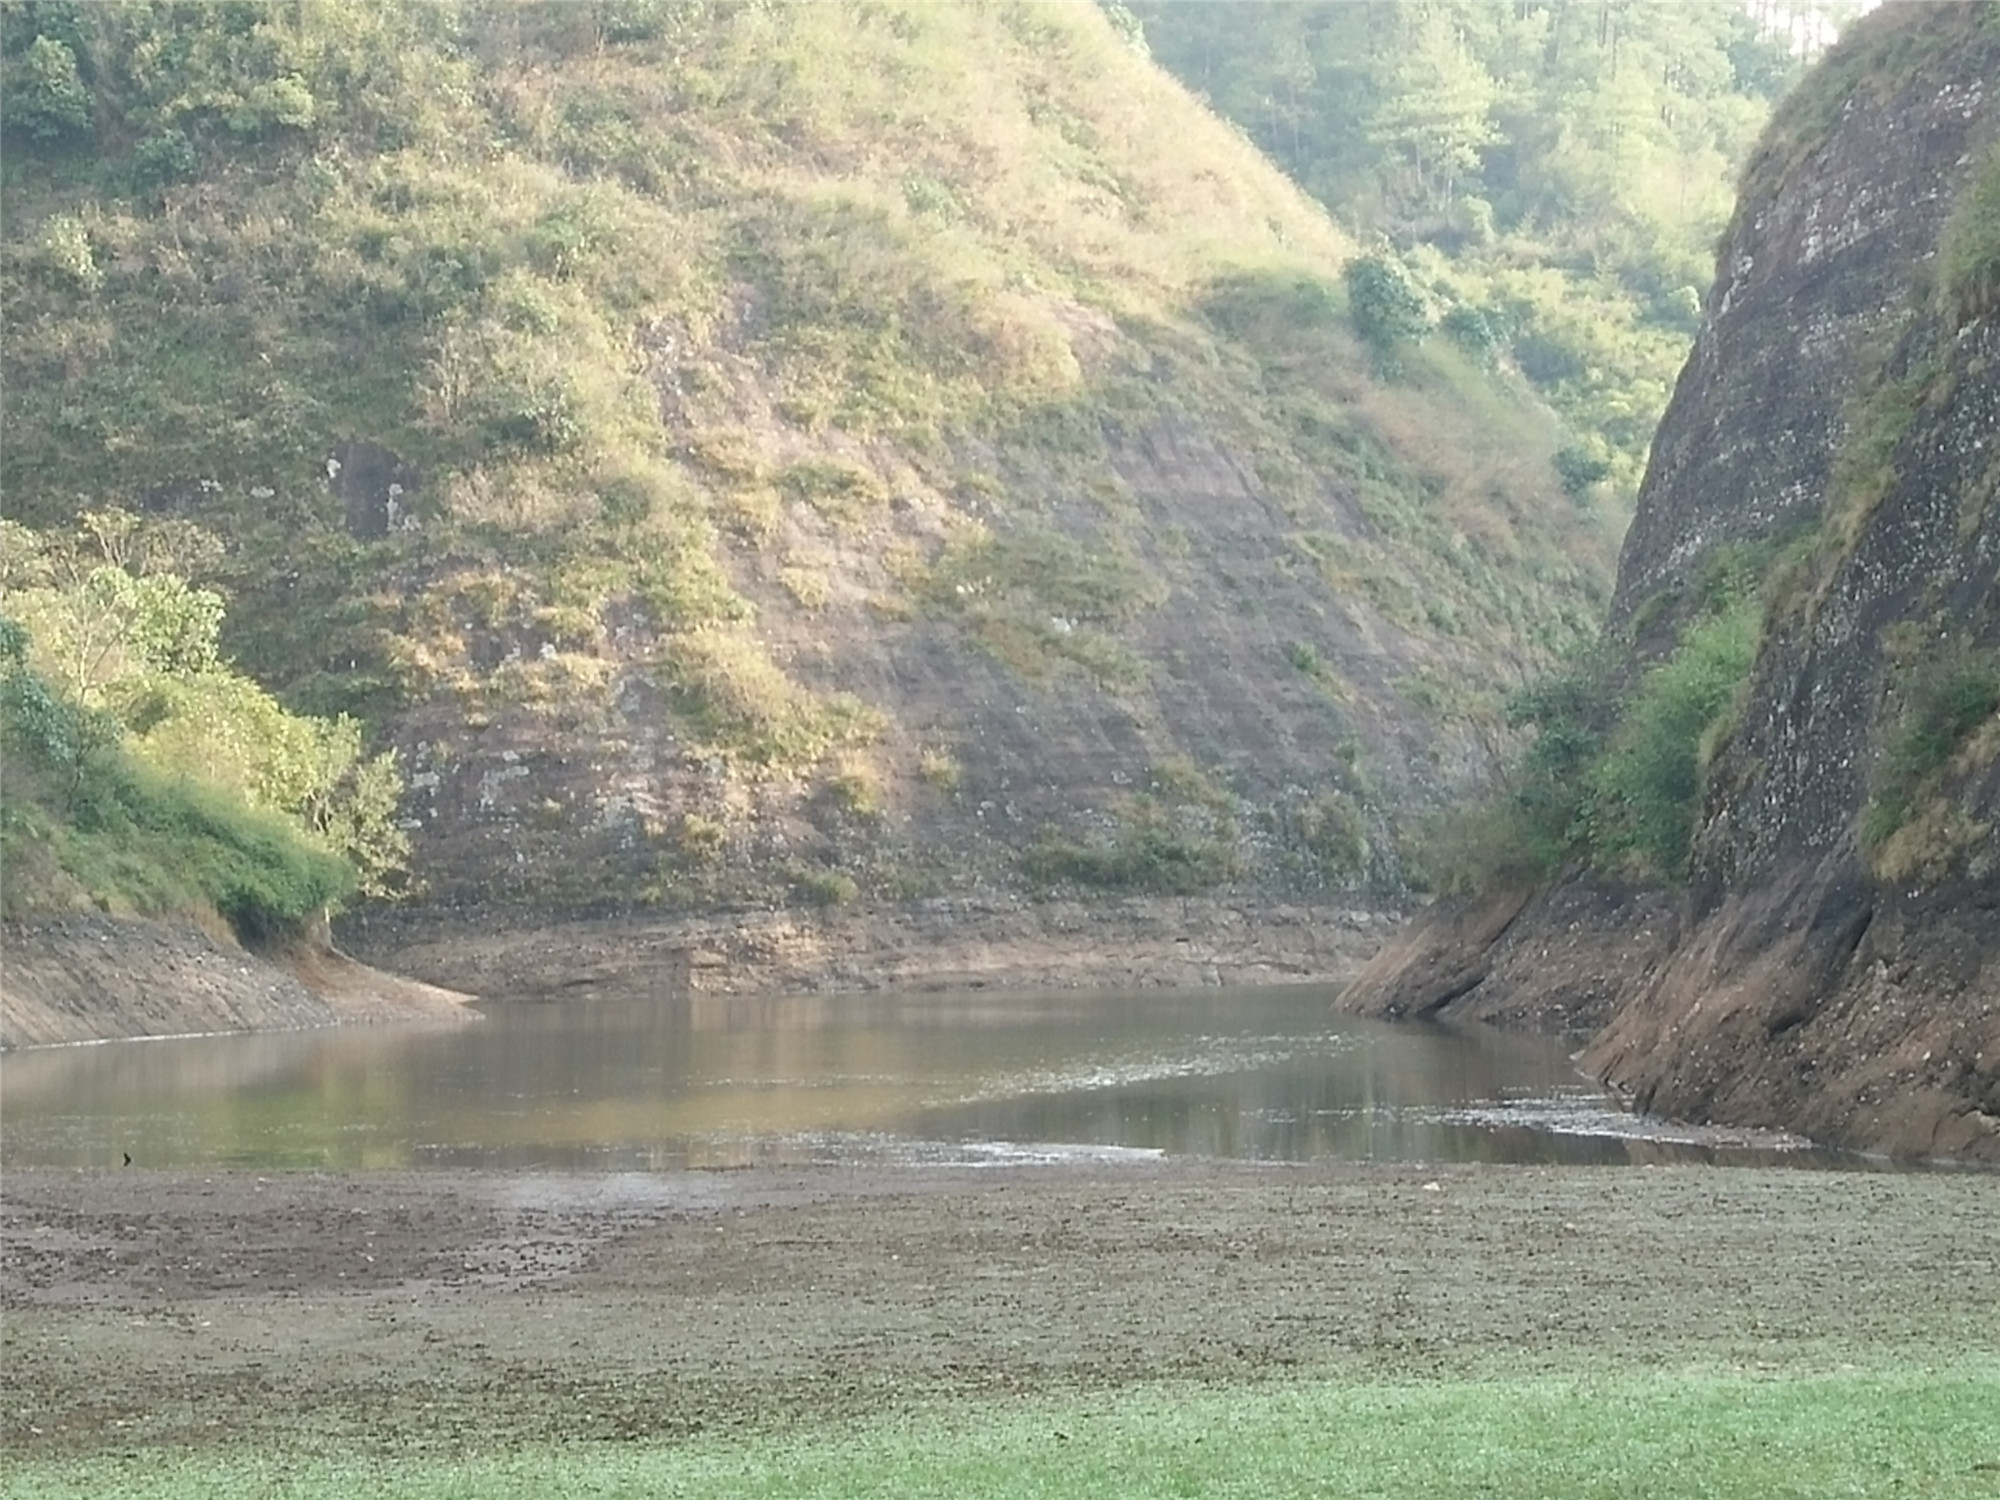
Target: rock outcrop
<point>1834,963</point>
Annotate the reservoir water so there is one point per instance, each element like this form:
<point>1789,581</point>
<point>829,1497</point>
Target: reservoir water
<point>701,1081</point>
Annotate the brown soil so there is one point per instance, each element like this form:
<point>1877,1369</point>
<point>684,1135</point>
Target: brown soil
<point>483,1309</point>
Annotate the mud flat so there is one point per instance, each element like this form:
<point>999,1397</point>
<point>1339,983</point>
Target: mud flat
<point>440,1310</point>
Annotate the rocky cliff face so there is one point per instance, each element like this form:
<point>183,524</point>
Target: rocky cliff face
<point>1834,965</point>
<point>1237,717</point>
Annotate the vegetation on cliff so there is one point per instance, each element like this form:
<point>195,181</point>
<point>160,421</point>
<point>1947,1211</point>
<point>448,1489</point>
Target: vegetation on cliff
<point>1615,771</point>
<point>1632,752</point>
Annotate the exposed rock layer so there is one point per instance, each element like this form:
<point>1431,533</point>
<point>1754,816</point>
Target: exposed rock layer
<point>958,943</point>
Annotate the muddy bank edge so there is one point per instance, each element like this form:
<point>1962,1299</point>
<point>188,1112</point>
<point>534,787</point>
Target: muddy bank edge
<point>89,977</point>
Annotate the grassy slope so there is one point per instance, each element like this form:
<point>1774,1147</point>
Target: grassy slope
<point>741,330</point>
<point>131,840</point>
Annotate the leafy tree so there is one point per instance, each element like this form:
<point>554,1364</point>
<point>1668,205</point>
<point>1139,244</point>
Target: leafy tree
<point>42,94</point>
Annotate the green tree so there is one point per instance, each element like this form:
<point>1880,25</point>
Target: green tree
<point>1432,116</point>
<point>1386,308</point>
<point>42,94</point>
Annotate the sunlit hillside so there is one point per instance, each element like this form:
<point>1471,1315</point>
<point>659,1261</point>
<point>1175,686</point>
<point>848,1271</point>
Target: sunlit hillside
<point>724,448</point>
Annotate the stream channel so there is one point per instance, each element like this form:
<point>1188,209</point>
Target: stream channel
<point>712,1081</point>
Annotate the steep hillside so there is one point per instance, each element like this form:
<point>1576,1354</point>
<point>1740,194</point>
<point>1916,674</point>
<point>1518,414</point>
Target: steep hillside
<point>749,452</point>
<point>1820,946</point>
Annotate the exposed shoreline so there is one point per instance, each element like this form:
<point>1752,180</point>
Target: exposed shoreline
<point>973,942</point>
<point>91,978</point>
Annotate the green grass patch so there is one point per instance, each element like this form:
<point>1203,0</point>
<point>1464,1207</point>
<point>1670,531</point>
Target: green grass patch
<point>1968,263</point>
<point>1176,837</point>
<point>1036,599</point>
<point>742,706</point>
<point>1921,1434</point>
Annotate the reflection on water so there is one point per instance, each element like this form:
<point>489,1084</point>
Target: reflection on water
<point>724,1081</point>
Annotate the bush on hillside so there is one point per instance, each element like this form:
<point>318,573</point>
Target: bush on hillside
<point>1387,309</point>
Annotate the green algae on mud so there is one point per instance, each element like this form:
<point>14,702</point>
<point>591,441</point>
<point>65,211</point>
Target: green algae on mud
<point>1719,1434</point>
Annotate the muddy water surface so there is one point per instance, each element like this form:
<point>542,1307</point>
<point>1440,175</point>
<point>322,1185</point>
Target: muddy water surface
<point>698,1081</point>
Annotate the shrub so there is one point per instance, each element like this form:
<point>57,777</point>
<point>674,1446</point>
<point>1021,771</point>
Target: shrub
<point>1579,468</point>
<point>1177,839</point>
<point>1546,360</point>
<point>855,788</point>
<point>1333,831</point>
<point>825,887</point>
<point>939,767</point>
<point>742,705</point>
<point>265,879</point>
<point>42,94</point>
<point>1386,308</point>
<point>1472,331</point>
<point>164,158</point>
<point>1148,856</point>
<point>1646,790</point>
